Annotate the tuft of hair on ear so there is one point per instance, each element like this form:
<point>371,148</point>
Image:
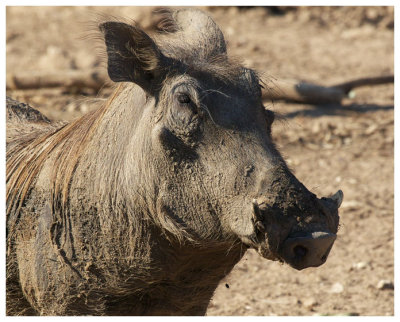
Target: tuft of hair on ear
<point>130,42</point>
<point>95,36</point>
<point>133,56</point>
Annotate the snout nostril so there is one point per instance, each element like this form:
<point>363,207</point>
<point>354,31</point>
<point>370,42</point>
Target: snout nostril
<point>309,250</point>
<point>300,251</point>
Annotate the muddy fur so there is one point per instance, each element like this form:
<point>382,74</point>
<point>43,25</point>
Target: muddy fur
<point>142,206</point>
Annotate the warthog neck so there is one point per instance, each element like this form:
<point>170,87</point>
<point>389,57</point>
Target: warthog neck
<point>187,279</point>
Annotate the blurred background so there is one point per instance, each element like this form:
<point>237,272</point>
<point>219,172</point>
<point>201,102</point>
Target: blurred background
<point>346,145</point>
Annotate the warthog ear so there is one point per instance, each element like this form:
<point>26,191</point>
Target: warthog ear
<point>132,55</point>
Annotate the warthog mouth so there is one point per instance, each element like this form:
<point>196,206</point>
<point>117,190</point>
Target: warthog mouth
<point>307,250</point>
<point>299,249</point>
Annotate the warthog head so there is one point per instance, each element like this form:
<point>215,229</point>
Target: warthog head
<point>202,144</point>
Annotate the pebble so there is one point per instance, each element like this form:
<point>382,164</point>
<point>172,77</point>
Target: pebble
<point>371,129</point>
<point>347,141</point>
<point>352,181</point>
<point>230,31</point>
<point>385,285</point>
<point>360,265</point>
<point>336,288</point>
<point>309,303</point>
<point>71,107</point>
<point>83,108</point>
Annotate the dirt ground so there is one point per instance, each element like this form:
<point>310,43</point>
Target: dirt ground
<point>329,147</point>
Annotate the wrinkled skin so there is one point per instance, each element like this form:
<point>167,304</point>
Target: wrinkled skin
<point>177,178</point>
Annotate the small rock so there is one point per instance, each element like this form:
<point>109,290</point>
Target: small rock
<point>336,288</point>
<point>347,141</point>
<point>242,42</point>
<point>230,31</point>
<point>372,14</point>
<point>54,58</point>
<point>71,107</point>
<point>352,94</point>
<point>352,181</point>
<point>360,265</point>
<point>309,303</point>
<point>371,129</point>
<point>83,108</point>
<point>385,285</point>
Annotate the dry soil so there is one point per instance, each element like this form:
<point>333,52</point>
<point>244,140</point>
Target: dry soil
<point>329,147</point>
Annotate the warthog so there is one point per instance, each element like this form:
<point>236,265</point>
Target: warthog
<point>142,206</point>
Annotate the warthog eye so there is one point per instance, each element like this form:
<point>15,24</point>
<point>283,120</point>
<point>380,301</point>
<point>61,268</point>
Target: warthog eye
<point>184,98</point>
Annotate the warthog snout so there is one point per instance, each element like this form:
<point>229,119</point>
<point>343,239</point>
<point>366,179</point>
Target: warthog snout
<point>310,250</point>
